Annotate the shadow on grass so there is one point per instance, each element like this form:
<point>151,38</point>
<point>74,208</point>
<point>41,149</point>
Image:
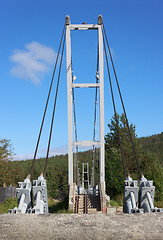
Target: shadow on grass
<point>59,207</point>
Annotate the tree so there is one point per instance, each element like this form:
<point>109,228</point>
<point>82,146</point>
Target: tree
<point>149,163</point>
<point>6,150</point>
<point>10,172</point>
<point>112,142</point>
<point>113,172</point>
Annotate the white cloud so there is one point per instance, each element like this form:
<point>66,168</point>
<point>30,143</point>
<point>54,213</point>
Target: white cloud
<point>55,151</point>
<point>32,62</point>
<point>42,153</point>
<point>22,157</point>
<point>114,55</point>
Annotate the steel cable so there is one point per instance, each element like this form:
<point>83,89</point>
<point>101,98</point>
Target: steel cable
<point>47,155</point>
<point>136,158</point>
<point>115,113</point>
<point>42,123</point>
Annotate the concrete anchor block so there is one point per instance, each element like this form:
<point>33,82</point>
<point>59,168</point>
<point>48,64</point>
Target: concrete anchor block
<point>146,196</point>
<point>130,199</point>
<point>23,194</point>
<point>40,196</point>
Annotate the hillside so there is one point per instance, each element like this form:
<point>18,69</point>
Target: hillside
<point>154,145</point>
<point>11,172</point>
<point>57,172</point>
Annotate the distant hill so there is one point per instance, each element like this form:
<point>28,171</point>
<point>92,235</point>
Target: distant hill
<point>57,170</point>
<point>154,144</point>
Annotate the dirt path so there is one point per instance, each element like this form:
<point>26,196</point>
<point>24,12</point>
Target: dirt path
<point>90,226</point>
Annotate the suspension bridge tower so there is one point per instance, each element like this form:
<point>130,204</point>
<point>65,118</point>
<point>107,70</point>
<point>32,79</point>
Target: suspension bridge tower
<point>73,186</point>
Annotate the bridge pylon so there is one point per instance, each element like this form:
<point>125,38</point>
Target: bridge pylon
<point>70,88</point>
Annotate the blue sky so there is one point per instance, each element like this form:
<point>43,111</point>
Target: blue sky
<point>30,33</point>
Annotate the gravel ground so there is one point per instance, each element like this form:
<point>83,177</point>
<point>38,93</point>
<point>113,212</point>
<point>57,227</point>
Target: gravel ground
<point>75,226</point>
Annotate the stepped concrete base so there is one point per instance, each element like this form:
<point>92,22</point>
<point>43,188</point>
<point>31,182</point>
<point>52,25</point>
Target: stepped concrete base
<point>71,196</point>
<point>102,195</point>
<point>111,210</point>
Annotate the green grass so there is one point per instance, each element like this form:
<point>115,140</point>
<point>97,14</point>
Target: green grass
<point>56,206</point>
<point>117,201</point>
<point>158,204</point>
<point>8,204</point>
<point>114,203</point>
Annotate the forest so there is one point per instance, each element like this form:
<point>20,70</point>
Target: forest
<point>149,151</point>
<point>154,145</point>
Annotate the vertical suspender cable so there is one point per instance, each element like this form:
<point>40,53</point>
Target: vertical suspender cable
<point>94,132</point>
<point>137,161</point>
<point>74,111</point>
<point>95,113</point>
<point>34,158</point>
<point>54,107</point>
<point>115,113</point>
<point>76,137</point>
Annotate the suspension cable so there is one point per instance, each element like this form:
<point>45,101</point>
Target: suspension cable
<point>54,107</point>
<point>115,113</point>
<point>42,123</point>
<point>136,158</point>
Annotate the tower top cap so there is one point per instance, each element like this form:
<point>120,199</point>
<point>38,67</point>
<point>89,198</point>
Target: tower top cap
<point>67,20</point>
<point>100,20</point>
